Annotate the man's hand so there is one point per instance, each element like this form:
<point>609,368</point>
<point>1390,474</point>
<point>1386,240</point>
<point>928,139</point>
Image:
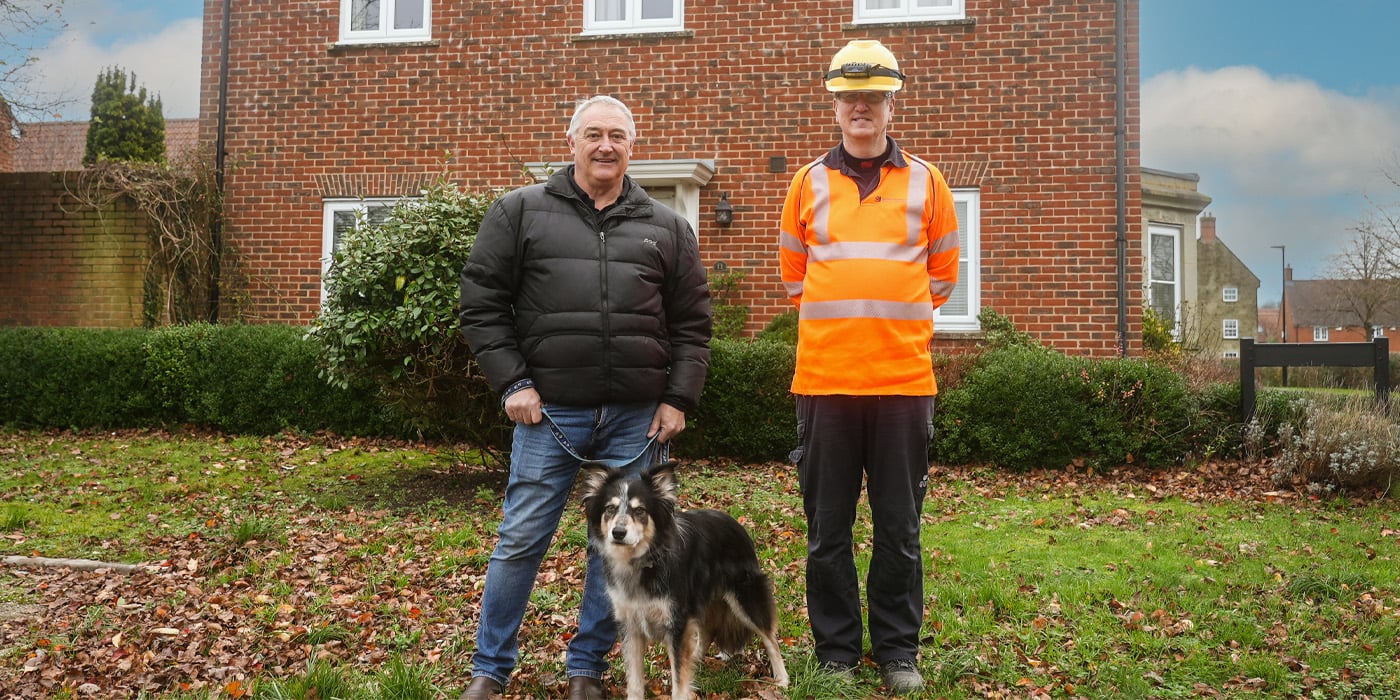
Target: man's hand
<point>668,422</point>
<point>524,407</point>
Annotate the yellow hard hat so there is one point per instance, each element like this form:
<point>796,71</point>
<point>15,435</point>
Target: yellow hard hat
<point>864,64</point>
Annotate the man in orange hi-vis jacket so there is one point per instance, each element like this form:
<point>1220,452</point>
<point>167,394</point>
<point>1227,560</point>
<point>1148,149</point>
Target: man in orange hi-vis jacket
<point>869,249</point>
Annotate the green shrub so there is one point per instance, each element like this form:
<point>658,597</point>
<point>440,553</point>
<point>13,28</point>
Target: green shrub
<point>1030,407</point>
<point>1014,408</point>
<point>73,378</point>
<point>782,329</point>
<point>746,411</point>
<point>728,309</point>
<point>251,379</point>
<point>390,317</point>
<point>245,379</point>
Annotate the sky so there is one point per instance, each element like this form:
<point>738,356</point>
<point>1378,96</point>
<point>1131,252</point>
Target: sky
<point>1289,111</point>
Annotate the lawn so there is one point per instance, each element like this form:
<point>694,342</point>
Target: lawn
<point>271,566</point>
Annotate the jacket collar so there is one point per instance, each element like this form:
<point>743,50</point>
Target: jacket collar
<point>893,156</point>
<point>562,184</point>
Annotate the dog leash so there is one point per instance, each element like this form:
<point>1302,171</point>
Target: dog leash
<point>609,463</point>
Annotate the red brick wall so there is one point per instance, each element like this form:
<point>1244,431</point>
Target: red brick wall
<point>1017,101</point>
<point>65,265</point>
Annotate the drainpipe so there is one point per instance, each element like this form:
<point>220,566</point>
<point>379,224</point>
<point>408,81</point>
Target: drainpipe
<point>218,232</point>
<point>1121,155</point>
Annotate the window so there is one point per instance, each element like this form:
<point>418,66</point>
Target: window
<point>342,216</point>
<point>1163,273</point>
<point>367,21</point>
<point>1377,332</point>
<point>1230,295</point>
<point>1319,334</point>
<point>959,313</point>
<point>1231,329</point>
<point>875,11</point>
<point>1232,354</point>
<point>632,16</point>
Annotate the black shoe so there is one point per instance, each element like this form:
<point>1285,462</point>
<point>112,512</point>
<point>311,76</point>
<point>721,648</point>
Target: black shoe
<point>585,688</point>
<point>482,688</point>
<point>901,676</point>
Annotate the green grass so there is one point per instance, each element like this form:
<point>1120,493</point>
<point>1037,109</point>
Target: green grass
<point>293,563</point>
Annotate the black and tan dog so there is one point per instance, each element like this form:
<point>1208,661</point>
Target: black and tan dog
<point>683,578</point>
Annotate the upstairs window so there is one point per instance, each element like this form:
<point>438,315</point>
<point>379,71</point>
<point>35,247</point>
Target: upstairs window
<point>875,11</point>
<point>374,21</point>
<point>632,16</point>
<point>1319,334</point>
<point>1231,294</point>
<point>1231,329</point>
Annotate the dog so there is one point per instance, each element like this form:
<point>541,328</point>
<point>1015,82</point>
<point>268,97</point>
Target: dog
<point>687,579</point>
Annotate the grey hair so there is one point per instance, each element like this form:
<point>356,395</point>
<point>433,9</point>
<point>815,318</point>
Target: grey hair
<point>613,102</point>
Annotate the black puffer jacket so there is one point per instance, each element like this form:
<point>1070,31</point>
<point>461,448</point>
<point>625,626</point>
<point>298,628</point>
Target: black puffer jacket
<point>593,307</point>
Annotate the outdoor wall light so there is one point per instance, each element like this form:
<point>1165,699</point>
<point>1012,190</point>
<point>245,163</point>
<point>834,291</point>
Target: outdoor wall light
<point>724,213</point>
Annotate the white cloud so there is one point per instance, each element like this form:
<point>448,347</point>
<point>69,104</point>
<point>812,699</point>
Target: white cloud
<point>1276,135</point>
<point>165,62</point>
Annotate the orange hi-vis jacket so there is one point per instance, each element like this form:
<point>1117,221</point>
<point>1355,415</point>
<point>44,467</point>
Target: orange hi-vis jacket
<point>866,275</point>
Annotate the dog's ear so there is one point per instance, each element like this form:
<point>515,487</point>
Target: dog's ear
<point>663,480</point>
<point>592,479</point>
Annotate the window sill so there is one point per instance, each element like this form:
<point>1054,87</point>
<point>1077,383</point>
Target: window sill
<point>383,44</point>
<point>670,34</point>
<point>908,23</point>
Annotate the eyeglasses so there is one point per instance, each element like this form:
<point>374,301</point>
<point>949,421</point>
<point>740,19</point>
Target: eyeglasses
<point>870,98</point>
<point>616,137</point>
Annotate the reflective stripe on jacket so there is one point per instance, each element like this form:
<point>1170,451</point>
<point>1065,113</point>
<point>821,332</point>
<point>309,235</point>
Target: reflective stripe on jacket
<point>866,276</point>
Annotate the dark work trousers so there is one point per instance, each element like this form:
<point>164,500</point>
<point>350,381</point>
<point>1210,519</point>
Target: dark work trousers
<point>884,439</point>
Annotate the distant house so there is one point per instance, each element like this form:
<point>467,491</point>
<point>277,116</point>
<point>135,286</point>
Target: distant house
<point>1031,110</point>
<point>1340,311</point>
<point>9,137</point>
<point>1227,295</point>
<point>58,147</point>
<point>1193,278</point>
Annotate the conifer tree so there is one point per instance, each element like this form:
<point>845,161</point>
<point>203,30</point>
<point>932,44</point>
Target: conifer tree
<point>127,123</point>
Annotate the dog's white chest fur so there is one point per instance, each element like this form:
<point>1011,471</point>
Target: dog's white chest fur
<point>639,613</point>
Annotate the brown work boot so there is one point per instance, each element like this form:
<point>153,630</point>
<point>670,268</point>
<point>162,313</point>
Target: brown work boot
<point>585,688</point>
<point>482,688</point>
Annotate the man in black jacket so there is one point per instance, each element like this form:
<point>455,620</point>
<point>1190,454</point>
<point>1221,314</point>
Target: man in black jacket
<point>587,308</point>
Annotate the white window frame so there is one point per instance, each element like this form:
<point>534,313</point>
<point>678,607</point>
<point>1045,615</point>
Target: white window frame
<point>331,207</point>
<point>1173,233</point>
<point>1230,328</point>
<point>906,11</point>
<point>1231,354</point>
<point>1377,332</point>
<point>969,265</point>
<point>1230,295</point>
<point>632,22</point>
<point>1319,334</point>
<point>386,33</point>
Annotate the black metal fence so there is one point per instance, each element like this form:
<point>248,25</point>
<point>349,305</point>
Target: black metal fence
<point>1375,354</point>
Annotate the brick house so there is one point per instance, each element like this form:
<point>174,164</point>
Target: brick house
<point>1340,311</point>
<point>323,107</point>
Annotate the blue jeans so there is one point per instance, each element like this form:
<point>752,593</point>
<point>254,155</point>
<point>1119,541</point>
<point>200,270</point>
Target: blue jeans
<point>541,481</point>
